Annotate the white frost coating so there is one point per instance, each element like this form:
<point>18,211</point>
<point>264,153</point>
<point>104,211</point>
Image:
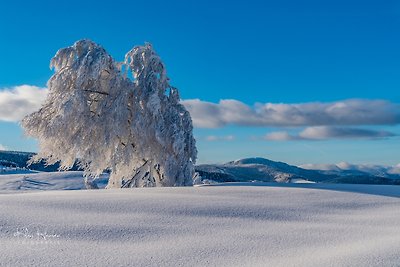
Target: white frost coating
<point>94,113</point>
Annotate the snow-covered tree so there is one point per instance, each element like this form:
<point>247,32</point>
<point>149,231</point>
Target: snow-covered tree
<point>94,113</point>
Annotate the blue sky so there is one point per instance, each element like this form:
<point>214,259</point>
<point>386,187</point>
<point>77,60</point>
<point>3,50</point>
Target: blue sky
<point>251,51</point>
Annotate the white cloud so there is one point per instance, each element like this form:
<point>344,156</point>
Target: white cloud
<point>19,101</point>
<point>212,138</point>
<point>16,102</point>
<point>328,132</point>
<point>3,147</point>
<point>379,170</point>
<point>279,136</point>
<point>347,112</point>
<point>322,167</point>
<point>395,169</point>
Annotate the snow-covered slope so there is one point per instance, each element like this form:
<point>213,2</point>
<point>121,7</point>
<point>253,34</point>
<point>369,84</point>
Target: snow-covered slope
<point>19,159</point>
<point>257,169</point>
<point>250,169</point>
<point>71,180</point>
<point>13,170</point>
<point>265,170</point>
<point>294,225</point>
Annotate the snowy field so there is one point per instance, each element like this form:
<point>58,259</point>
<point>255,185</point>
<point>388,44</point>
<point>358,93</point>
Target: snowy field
<point>26,181</point>
<point>245,224</point>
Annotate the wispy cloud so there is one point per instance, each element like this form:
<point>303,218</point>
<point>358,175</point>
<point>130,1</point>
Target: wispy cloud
<point>321,166</point>
<point>395,169</point>
<point>280,136</point>
<point>212,138</point>
<point>16,102</point>
<point>347,112</point>
<point>325,132</point>
<point>328,132</point>
<point>379,170</point>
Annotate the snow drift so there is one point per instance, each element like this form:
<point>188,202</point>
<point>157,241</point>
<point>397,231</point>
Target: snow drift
<point>202,226</point>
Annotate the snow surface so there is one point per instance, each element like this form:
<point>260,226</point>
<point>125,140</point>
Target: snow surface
<point>10,170</point>
<point>27,181</point>
<point>234,224</point>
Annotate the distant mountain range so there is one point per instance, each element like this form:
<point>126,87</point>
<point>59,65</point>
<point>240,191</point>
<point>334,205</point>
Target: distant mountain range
<point>256,169</point>
<point>19,160</point>
<point>264,170</point>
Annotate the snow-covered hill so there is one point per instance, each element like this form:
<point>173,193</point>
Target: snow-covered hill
<point>228,224</point>
<point>28,181</point>
<point>14,170</point>
<point>253,169</point>
<point>260,169</point>
<point>274,225</point>
<point>20,160</point>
